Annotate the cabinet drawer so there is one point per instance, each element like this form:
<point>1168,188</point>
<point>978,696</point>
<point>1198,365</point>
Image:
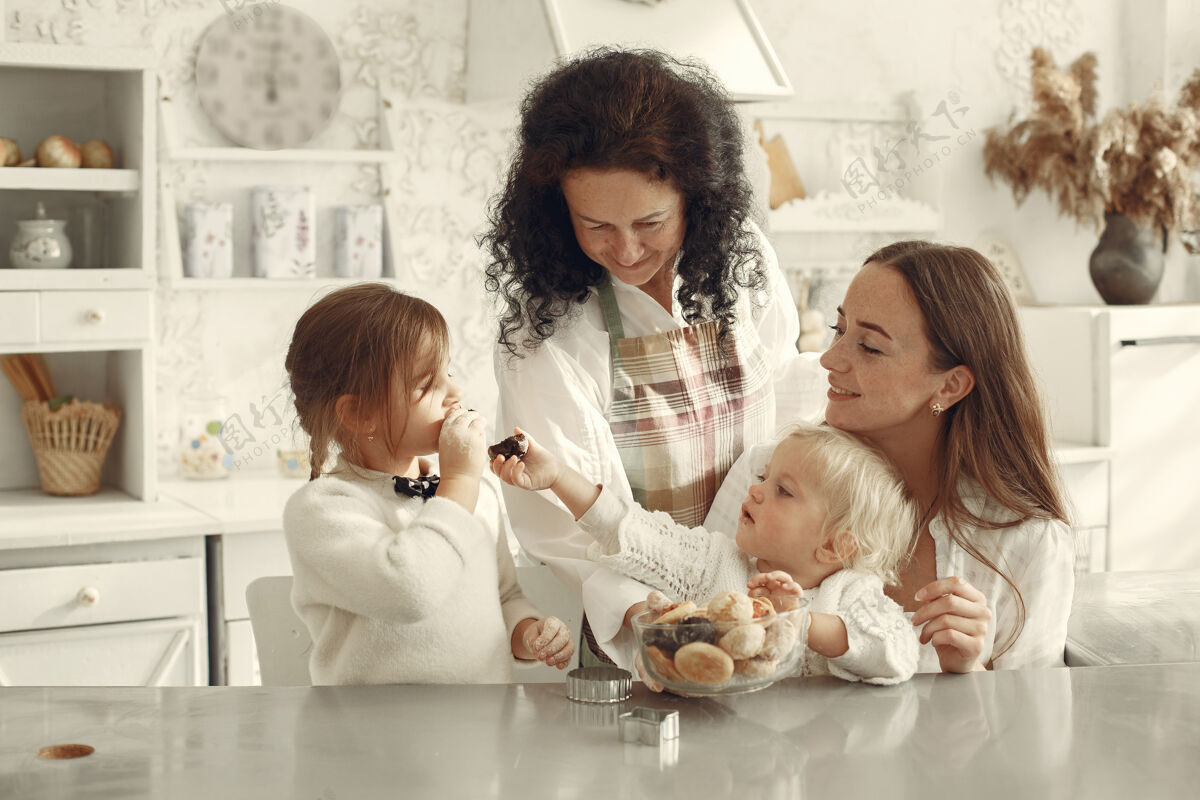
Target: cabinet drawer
<point>18,317</point>
<point>55,597</point>
<point>88,316</point>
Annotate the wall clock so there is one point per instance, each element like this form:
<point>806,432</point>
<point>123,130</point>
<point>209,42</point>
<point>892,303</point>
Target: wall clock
<point>268,80</point>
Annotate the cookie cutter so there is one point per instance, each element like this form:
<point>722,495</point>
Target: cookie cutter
<point>599,684</point>
<point>649,726</point>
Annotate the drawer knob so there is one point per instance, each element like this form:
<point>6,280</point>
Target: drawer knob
<point>94,317</point>
<point>88,596</point>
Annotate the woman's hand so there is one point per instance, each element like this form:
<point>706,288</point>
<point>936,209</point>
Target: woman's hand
<point>462,447</point>
<point>956,619</point>
<point>777,585</point>
<point>548,640</point>
<point>537,469</point>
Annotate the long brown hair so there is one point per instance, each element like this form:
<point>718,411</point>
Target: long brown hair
<point>997,434</point>
<point>352,342</point>
<point>639,110</point>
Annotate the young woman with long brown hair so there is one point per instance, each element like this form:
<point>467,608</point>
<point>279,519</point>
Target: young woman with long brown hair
<point>928,363</point>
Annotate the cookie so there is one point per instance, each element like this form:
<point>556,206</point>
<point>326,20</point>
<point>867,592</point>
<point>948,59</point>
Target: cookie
<point>755,667</point>
<point>704,664</point>
<point>743,642</point>
<point>779,640</point>
<point>657,602</point>
<point>662,665</point>
<point>515,445</point>
<point>731,607</point>
<point>676,612</point>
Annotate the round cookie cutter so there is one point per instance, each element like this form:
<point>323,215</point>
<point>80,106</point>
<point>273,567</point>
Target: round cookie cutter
<point>599,684</point>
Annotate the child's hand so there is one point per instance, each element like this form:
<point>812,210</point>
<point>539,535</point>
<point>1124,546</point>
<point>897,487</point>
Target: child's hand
<point>549,641</point>
<point>537,469</point>
<point>777,585</point>
<point>462,447</point>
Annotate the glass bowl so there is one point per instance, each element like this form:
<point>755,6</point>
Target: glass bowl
<point>700,657</point>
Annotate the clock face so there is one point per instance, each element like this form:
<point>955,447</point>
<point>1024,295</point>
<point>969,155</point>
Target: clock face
<point>268,78</point>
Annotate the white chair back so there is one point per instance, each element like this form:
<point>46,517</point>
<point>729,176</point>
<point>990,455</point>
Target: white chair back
<point>280,636</point>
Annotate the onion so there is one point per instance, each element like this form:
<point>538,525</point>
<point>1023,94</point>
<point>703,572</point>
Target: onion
<point>57,151</point>
<point>96,154</point>
<point>10,154</point>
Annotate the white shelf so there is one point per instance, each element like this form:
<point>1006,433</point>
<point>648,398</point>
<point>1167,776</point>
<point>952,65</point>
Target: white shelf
<point>828,213</point>
<point>71,180</point>
<point>54,56</point>
<point>295,155</point>
<point>265,284</point>
<point>1076,453</point>
<point>58,279</point>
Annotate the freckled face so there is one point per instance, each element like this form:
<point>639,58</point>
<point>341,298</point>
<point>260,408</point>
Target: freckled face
<point>626,222</point>
<point>880,376</point>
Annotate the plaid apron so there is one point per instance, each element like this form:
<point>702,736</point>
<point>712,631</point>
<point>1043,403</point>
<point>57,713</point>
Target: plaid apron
<point>681,415</point>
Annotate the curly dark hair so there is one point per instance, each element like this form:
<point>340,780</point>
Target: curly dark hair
<point>640,110</point>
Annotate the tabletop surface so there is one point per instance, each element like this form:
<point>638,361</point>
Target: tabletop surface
<point>1091,732</point>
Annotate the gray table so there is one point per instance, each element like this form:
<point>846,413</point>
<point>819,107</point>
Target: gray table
<point>1085,732</point>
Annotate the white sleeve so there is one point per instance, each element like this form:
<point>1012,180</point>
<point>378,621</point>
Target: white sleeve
<point>684,563</point>
<point>344,553</point>
<point>1043,568</point>
<point>799,380</point>
<point>883,644</point>
<point>554,396</point>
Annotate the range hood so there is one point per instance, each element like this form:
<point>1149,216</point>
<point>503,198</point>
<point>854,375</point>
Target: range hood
<point>510,42</point>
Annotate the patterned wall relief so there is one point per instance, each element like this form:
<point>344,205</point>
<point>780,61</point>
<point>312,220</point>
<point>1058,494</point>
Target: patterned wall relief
<point>1054,24</point>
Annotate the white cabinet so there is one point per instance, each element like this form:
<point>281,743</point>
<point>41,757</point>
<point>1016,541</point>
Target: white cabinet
<point>110,615</point>
<point>1128,378</point>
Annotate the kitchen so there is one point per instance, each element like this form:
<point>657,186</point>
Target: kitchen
<point>417,134</point>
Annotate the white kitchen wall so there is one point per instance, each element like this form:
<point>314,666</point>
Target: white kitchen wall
<point>863,52</point>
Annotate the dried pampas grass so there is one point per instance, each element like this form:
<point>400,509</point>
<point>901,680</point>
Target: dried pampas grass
<point>1138,160</point>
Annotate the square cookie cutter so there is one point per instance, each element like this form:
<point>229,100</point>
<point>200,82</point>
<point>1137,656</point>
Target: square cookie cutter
<point>649,726</point>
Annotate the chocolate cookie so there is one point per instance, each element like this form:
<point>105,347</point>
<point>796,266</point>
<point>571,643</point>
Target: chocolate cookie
<point>516,445</point>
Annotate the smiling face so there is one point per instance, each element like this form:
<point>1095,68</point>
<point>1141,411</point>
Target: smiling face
<point>783,518</point>
<point>629,224</point>
<point>881,381</point>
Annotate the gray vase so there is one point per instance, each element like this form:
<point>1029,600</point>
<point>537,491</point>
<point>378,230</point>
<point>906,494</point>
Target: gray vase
<point>1127,264</point>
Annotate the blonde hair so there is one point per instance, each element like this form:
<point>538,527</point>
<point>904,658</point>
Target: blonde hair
<point>864,496</point>
<point>354,341</point>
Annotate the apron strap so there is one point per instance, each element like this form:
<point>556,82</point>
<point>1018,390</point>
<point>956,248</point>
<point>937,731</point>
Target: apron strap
<point>612,314</point>
<point>616,332</point>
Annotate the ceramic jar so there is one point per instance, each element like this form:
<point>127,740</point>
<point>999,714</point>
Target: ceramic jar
<point>40,243</point>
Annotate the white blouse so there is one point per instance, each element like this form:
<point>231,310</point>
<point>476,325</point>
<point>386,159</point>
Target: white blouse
<point>1039,556</point>
<point>561,392</point>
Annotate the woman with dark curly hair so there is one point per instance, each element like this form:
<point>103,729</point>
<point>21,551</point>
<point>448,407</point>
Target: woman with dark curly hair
<point>645,325</point>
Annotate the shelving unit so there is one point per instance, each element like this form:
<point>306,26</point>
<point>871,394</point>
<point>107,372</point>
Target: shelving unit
<point>75,572</point>
<point>173,276</point>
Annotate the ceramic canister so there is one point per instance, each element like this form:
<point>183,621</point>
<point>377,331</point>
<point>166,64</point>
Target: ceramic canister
<point>208,232</point>
<point>40,243</point>
<point>283,235</point>
<point>359,241</point>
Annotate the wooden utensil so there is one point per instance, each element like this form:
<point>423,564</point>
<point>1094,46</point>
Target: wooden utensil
<point>14,370</point>
<point>35,367</point>
<point>785,183</point>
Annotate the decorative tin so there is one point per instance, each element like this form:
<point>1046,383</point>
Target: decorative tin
<point>283,235</point>
<point>208,244</point>
<point>359,241</point>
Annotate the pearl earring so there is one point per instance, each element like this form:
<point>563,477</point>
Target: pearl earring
<point>937,409</point>
<point>370,437</point>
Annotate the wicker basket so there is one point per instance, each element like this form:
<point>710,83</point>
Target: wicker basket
<point>70,443</point>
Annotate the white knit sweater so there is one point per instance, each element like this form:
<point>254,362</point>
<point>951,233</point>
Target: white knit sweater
<point>695,564</point>
<point>394,589</point>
